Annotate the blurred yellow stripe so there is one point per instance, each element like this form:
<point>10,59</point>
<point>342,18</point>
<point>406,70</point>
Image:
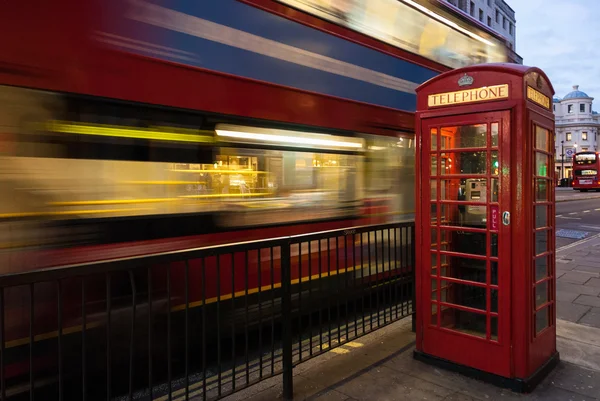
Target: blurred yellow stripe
<point>129,132</point>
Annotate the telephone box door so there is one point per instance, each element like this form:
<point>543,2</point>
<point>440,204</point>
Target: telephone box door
<point>467,253</point>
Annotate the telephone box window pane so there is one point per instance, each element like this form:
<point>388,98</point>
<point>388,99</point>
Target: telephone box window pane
<point>541,320</point>
<point>465,322</point>
<point>464,163</point>
<point>494,267</point>
<point>541,190</point>
<point>452,189</point>
<point>542,139</point>
<point>494,301</point>
<point>494,328</point>
<point>434,166</point>
<point>474,216</point>
<point>541,242</point>
<point>433,184</point>
<point>464,295</point>
<point>434,264</point>
<point>434,314</point>
<point>434,287</point>
<point>541,294</point>
<point>541,268</point>
<point>494,245</point>
<point>466,269</point>
<point>433,213</point>
<point>541,164</point>
<point>467,243</point>
<point>434,141</point>
<point>465,136</point>
<point>434,242</point>
<point>495,184</point>
<point>495,166</point>
<point>494,134</point>
<point>541,216</point>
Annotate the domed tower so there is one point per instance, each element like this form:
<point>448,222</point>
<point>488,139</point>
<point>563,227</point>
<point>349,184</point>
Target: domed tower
<point>576,128</point>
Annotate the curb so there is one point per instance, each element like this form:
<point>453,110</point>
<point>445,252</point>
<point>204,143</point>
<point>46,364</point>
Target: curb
<point>574,244</point>
<point>577,199</point>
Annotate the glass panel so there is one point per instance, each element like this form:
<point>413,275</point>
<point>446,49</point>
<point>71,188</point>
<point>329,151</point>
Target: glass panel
<point>494,328</point>
<point>494,267</point>
<point>434,264</point>
<point>434,170</point>
<point>541,268</point>
<point>494,134</point>
<point>494,301</point>
<point>434,314</point>
<point>542,319</point>
<point>464,295</point>
<point>494,245</point>
<point>434,141</point>
<point>464,162</point>
<point>433,213</point>
<point>541,190</point>
<point>495,183</point>
<point>495,163</point>
<point>465,136</point>
<point>433,184</point>
<point>541,139</point>
<point>434,238</point>
<point>541,216</point>
<point>463,321</point>
<point>541,294</point>
<point>434,287</point>
<point>452,189</point>
<point>541,242</point>
<point>466,242</point>
<point>541,164</point>
<point>466,269</point>
<point>464,216</point>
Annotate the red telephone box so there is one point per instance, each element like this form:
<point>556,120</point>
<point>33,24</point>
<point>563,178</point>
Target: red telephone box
<point>485,224</point>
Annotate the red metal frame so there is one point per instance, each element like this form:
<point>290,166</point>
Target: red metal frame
<point>522,351</point>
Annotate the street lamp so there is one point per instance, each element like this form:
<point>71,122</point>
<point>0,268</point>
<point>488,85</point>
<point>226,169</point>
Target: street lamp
<point>562,160</point>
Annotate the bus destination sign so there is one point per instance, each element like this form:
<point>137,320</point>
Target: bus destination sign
<point>474,95</point>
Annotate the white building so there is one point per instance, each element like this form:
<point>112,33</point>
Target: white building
<point>496,14</point>
<point>577,127</point>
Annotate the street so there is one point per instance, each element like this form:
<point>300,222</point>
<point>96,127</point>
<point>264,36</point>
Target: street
<point>576,217</point>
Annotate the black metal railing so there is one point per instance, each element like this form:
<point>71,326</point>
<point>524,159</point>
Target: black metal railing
<point>199,323</point>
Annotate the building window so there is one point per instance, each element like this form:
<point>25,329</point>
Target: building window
<point>554,107</point>
<point>503,22</point>
<point>489,21</point>
<point>590,108</point>
<point>489,3</point>
<point>582,108</point>
<point>462,4</point>
<point>480,15</point>
<point>510,28</point>
<point>570,109</point>
<point>497,17</point>
<point>472,9</point>
<point>584,149</point>
<point>584,136</point>
<point>568,136</point>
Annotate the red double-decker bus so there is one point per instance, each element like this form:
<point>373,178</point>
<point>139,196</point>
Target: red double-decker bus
<point>586,168</point>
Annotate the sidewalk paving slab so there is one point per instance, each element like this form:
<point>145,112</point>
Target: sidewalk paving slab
<point>588,300</point>
<point>383,368</point>
<point>570,311</point>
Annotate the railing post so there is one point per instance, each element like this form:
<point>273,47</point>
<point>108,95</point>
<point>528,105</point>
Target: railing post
<point>286,312</point>
<point>413,254</point>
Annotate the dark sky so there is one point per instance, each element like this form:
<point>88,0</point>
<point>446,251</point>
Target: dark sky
<point>562,37</point>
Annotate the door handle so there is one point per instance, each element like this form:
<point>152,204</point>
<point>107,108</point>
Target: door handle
<point>506,218</point>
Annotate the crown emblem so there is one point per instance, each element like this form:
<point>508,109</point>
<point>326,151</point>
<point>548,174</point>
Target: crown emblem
<point>465,80</point>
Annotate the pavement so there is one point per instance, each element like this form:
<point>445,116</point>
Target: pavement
<point>380,366</point>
